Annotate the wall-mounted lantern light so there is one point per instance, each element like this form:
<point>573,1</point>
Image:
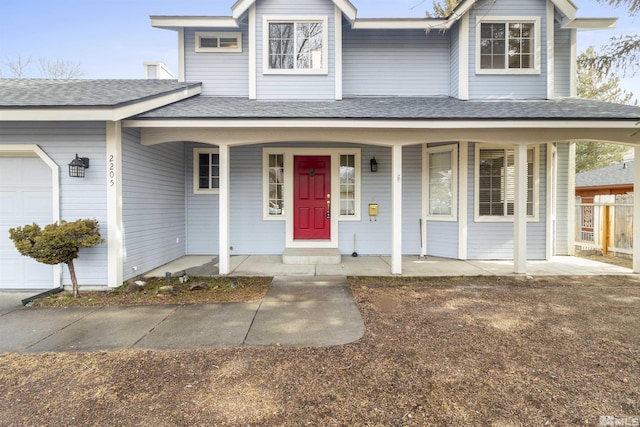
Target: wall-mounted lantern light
<point>77,166</point>
<point>374,165</point>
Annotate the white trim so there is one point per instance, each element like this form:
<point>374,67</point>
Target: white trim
<point>463,58</point>
<point>267,19</point>
<point>573,74</point>
<point>453,149</point>
<point>177,22</point>
<point>571,200</point>
<point>289,153</point>
<point>218,35</point>
<point>181,55</point>
<point>113,180</point>
<point>347,8</point>
<point>28,150</point>
<point>397,24</point>
<point>242,5</point>
<point>567,8</point>
<point>537,42</point>
<point>463,202</point>
<point>586,24</point>
<point>424,204</point>
<point>252,53</point>
<point>636,214</point>
<point>224,249</point>
<point>396,209</point>
<point>520,209</point>
<point>551,200</point>
<point>536,184</point>
<point>196,170</point>
<point>550,50</point>
<point>163,73</point>
<point>338,53</point>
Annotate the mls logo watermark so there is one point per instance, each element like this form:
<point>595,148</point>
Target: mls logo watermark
<point>611,421</point>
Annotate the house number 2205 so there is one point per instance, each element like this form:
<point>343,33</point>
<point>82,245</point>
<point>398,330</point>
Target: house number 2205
<point>112,170</point>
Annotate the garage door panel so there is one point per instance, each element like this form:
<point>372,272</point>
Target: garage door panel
<point>25,198</point>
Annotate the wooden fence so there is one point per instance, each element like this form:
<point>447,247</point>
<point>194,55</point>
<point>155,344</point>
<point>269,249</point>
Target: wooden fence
<point>606,225</point>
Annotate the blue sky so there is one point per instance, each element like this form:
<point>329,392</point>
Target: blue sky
<point>113,38</point>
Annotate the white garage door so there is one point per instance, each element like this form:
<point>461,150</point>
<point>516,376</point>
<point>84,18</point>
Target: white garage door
<point>25,198</point>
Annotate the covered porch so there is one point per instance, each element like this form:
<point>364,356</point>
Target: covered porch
<point>412,266</point>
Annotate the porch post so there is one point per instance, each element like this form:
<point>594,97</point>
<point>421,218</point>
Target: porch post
<point>115,241</point>
<point>520,211</point>
<point>223,214</point>
<point>396,209</point>
<point>636,211</point>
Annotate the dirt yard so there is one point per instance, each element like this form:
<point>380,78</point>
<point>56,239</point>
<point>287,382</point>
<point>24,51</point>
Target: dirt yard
<point>459,351</point>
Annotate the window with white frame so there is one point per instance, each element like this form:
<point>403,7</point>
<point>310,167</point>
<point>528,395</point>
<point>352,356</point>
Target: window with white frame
<point>206,171</point>
<point>276,185</point>
<point>348,181</point>
<point>295,46</point>
<point>495,183</point>
<point>508,45</point>
<point>441,176</point>
<point>218,42</point>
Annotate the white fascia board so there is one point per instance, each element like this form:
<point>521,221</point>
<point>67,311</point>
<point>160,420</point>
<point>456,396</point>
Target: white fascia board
<point>381,124</point>
<point>586,24</point>
<point>566,7</point>
<point>39,114</point>
<point>241,6</point>
<point>176,22</point>
<point>397,24</point>
<point>347,8</point>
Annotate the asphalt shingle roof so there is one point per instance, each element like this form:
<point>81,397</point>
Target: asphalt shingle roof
<point>618,174</point>
<point>33,93</point>
<point>418,108</point>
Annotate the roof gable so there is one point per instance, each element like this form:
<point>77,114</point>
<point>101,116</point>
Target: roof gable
<point>345,6</point>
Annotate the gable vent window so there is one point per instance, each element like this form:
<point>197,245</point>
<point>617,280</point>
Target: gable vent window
<point>218,42</point>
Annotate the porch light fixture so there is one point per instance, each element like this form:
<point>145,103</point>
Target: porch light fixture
<point>374,165</point>
<point>77,166</point>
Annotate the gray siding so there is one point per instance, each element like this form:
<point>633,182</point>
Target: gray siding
<point>202,213</point>
<point>442,239</point>
<point>79,198</point>
<point>411,199</point>
<point>287,86</point>
<point>562,200</point>
<point>562,53</point>
<point>221,73</point>
<point>395,62</point>
<point>494,240</point>
<point>455,60</point>
<point>500,85</point>
<point>153,211</point>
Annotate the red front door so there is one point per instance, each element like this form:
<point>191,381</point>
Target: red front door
<point>312,197</point>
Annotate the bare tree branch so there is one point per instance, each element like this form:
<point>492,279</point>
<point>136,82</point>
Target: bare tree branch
<point>18,67</point>
<point>59,69</point>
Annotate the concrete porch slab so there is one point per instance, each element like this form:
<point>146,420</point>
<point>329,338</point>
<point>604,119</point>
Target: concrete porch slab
<point>306,256</point>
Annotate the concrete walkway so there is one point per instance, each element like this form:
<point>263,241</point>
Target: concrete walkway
<point>297,311</point>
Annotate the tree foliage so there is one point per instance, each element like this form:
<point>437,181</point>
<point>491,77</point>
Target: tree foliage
<point>25,67</point>
<point>443,8</point>
<point>57,243</point>
<point>622,54</point>
<point>592,84</point>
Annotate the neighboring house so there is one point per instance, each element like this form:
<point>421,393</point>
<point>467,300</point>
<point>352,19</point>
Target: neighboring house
<point>302,115</point>
<point>614,179</point>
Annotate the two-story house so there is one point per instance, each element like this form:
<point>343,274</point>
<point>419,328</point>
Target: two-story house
<point>296,125</point>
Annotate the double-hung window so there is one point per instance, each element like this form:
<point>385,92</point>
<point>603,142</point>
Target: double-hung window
<point>295,46</point>
<point>508,45</point>
<point>206,171</point>
<point>496,183</point>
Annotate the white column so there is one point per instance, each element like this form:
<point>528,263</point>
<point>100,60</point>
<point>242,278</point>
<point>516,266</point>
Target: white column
<point>223,214</point>
<point>520,211</point>
<point>463,206</point>
<point>115,239</point>
<point>636,211</point>
<point>396,209</point>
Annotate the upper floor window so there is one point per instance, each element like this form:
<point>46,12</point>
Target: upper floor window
<point>295,46</point>
<point>508,45</point>
<point>218,42</point>
<point>206,171</point>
